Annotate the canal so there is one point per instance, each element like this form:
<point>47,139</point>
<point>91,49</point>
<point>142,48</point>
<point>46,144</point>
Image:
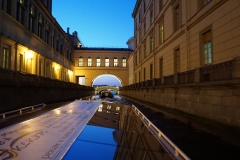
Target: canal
<point>196,140</point>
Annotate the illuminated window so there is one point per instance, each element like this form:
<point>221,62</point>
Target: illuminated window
<point>98,62</point>
<point>151,44</point>
<point>89,61</point>
<point>161,31</point>
<point>80,61</point>
<point>6,58</point>
<point>115,62</point>
<point>106,62</point>
<point>124,62</point>
<point>207,47</point>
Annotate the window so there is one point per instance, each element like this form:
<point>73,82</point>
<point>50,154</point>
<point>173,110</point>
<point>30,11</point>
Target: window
<point>6,6</point>
<point>40,67</point>
<point>151,44</point>
<point>80,61</point>
<point>106,62</point>
<point>115,62</point>
<point>6,58</point>
<point>144,7</point>
<point>151,71</point>
<point>98,62</point>
<point>144,74</point>
<point>161,32</point>
<point>161,67</point>
<point>48,70</point>
<point>177,16</point>
<point>151,16</point>
<point>177,60</point>
<point>144,51</point>
<point>144,28</point>
<point>124,62</point>
<point>89,61</point>
<point>40,26</point>
<point>47,29</point>
<point>31,19</point>
<point>139,76</point>
<point>57,43</point>
<point>207,47</point>
<point>20,63</point>
<point>20,11</point>
<point>160,5</point>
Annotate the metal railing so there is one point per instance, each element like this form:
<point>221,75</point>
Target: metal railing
<point>21,111</point>
<point>167,143</point>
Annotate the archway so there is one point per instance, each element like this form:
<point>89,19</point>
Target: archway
<point>106,80</point>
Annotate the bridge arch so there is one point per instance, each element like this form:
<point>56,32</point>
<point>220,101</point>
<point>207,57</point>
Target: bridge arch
<point>98,76</point>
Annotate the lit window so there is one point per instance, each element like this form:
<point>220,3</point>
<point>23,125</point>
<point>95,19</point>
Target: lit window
<point>115,61</point>
<point>207,47</point>
<point>161,38</point>
<point>106,62</point>
<point>89,61</point>
<point>124,62</point>
<point>6,58</point>
<point>98,62</point>
<point>151,44</point>
<point>80,61</point>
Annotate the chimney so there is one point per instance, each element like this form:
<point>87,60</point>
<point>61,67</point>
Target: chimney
<point>68,30</point>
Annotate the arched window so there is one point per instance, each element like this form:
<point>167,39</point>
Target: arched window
<point>80,61</point>
<point>98,62</point>
<point>89,61</point>
<point>106,62</point>
<point>124,62</point>
<point>115,62</point>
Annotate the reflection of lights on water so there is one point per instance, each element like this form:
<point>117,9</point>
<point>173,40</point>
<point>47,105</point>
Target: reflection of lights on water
<point>70,111</point>
<point>100,108</point>
<point>57,111</point>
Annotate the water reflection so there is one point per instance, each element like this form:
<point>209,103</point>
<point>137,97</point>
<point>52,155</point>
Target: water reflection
<point>115,132</point>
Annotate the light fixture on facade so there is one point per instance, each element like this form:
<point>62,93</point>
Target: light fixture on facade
<point>29,55</point>
<point>57,67</point>
<point>70,72</point>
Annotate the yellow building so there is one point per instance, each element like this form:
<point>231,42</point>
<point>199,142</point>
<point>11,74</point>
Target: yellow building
<point>32,41</point>
<point>174,36</point>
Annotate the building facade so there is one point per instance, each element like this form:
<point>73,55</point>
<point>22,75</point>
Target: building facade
<point>32,41</point>
<point>187,58</point>
<point>90,63</point>
<point>174,36</point>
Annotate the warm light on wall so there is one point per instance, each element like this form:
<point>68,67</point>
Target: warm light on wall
<point>57,67</point>
<point>29,55</point>
<point>70,72</point>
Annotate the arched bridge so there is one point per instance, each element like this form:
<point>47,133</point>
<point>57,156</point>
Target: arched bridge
<point>98,89</point>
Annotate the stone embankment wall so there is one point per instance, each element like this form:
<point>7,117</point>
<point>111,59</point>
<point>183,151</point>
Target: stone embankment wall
<point>215,103</point>
<point>18,90</point>
<point>211,93</point>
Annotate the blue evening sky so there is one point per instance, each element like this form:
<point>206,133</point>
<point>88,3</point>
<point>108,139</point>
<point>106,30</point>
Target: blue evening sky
<point>99,23</point>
